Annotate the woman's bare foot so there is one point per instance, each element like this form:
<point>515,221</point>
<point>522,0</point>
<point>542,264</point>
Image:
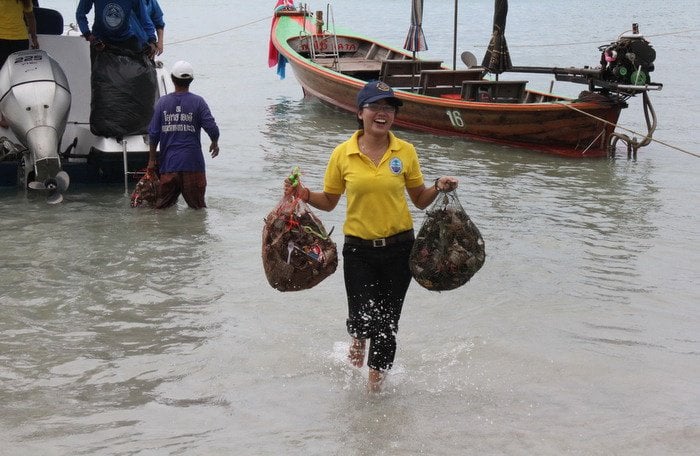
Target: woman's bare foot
<point>356,355</point>
<point>375,381</point>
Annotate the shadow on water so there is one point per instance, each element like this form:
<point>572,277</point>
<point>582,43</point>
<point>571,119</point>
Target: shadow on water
<point>98,300</point>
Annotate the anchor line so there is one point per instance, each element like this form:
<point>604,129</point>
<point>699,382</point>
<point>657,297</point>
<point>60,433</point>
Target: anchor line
<point>630,131</point>
<point>593,141</point>
<point>580,43</point>
<point>267,18</point>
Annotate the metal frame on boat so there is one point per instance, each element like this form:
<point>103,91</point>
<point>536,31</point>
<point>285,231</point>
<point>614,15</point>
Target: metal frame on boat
<point>332,64</point>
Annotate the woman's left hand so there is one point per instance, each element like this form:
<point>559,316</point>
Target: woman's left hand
<point>446,183</point>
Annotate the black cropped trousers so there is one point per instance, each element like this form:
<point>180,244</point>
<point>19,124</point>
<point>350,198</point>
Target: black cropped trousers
<point>376,282</point>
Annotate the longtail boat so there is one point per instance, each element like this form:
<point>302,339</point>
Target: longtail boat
<point>334,64</point>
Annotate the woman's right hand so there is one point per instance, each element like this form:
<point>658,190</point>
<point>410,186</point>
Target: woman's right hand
<point>297,190</point>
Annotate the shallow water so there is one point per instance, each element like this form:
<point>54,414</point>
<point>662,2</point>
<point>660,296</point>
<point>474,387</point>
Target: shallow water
<point>138,332</point>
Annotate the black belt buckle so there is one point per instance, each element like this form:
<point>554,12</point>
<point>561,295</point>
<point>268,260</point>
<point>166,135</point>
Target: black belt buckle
<point>379,242</point>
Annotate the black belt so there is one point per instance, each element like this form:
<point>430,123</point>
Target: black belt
<point>404,236</point>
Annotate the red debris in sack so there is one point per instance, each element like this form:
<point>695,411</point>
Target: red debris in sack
<point>297,253</point>
<point>146,192</point>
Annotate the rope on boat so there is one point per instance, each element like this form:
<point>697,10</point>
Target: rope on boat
<point>267,18</point>
<point>677,32</point>
<point>632,143</point>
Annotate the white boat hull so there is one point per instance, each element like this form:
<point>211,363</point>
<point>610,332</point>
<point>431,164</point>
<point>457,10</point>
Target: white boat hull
<point>87,158</point>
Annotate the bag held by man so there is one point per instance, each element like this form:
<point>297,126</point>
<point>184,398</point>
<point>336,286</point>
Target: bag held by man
<point>448,249</point>
<point>145,193</point>
<point>297,253</point>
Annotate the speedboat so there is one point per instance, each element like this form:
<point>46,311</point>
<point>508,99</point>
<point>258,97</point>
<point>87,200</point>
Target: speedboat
<point>46,100</point>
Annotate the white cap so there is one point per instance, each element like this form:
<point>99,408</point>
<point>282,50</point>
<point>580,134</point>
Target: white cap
<point>182,70</point>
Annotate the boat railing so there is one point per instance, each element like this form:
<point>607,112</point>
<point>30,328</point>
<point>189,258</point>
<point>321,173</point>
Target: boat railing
<point>319,48</point>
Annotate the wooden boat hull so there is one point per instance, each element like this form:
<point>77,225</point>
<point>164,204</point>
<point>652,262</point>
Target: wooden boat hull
<point>556,125</point>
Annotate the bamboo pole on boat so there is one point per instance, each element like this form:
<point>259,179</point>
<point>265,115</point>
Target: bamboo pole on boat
<point>556,70</point>
<point>454,39</point>
<point>415,40</point>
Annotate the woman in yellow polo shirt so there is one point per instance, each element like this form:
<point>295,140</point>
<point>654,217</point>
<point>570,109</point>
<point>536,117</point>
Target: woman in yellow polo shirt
<point>375,169</point>
<point>17,26</point>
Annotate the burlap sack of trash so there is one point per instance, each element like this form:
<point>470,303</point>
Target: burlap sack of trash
<point>448,249</point>
<point>297,253</point>
<point>145,193</point>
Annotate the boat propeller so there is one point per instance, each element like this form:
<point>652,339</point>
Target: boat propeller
<point>55,186</point>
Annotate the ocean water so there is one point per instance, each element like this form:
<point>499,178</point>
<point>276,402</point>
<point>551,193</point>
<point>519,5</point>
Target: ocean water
<point>134,332</point>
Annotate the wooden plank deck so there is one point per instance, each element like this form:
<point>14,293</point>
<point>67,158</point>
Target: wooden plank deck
<point>351,64</point>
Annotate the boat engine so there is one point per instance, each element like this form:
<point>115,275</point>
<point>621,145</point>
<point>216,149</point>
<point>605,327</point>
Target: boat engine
<point>35,100</point>
<point>629,60</point>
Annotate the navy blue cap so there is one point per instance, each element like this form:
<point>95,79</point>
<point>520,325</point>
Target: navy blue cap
<point>375,91</point>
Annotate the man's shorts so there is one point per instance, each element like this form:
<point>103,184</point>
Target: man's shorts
<point>191,185</point>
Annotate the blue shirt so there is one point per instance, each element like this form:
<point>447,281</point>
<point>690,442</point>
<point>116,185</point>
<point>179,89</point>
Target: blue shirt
<point>155,13</point>
<point>112,21</point>
<point>178,119</point>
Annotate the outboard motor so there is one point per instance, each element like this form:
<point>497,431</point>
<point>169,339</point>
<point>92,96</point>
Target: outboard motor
<point>629,60</point>
<point>35,100</point>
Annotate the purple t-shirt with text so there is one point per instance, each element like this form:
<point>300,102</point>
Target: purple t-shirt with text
<point>178,119</point>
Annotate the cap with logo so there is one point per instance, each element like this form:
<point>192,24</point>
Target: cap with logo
<point>374,91</point>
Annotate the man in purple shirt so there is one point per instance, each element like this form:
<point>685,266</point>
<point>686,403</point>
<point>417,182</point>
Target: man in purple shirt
<point>178,119</point>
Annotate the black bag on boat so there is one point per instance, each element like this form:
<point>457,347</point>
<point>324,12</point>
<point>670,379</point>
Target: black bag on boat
<point>297,253</point>
<point>448,249</point>
<point>123,93</point>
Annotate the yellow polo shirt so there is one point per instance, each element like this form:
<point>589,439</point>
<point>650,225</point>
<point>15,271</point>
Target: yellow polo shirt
<point>12,25</point>
<point>376,195</point>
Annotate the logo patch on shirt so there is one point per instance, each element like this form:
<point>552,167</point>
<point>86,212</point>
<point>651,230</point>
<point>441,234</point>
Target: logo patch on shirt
<point>395,165</point>
<point>113,16</point>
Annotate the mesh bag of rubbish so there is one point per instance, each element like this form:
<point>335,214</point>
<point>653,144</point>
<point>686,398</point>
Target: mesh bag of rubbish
<point>297,253</point>
<point>145,193</point>
<point>448,249</point>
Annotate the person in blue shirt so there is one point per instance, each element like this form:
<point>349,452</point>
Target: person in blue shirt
<point>112,24</point>
<point>156,14</point>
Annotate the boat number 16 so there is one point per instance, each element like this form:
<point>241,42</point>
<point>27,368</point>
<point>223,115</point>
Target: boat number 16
<point>455,118</point>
